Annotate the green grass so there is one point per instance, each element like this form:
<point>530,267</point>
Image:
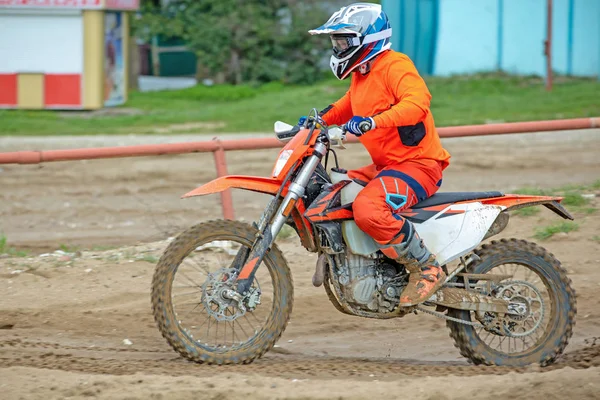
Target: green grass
<point>572,197</point>
<point>11,251</point>
<point>574,200</point>
<point>68,249</point>
<point>148,258</point>
<point>588,210</point>
<point>535,191</point>
<point>596,238</point>
<point>551,230</point>
<point>456,101</point>
<point>103,248</point>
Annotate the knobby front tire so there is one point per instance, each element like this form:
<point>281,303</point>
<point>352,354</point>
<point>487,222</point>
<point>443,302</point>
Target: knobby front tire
<point>162,300</point>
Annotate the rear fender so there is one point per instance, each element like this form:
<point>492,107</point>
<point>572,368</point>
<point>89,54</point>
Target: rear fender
<point>516,201</point>
<point>252,183</point>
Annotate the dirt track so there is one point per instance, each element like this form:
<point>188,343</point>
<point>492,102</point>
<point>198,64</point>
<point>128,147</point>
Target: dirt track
<point>64,317</point>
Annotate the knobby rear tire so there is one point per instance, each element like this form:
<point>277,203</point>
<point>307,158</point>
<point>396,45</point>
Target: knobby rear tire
<point>562,295</point>
<point>164,313</point>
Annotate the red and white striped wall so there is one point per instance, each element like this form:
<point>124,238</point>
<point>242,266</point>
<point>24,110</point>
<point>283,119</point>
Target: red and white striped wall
<point>32,90</point>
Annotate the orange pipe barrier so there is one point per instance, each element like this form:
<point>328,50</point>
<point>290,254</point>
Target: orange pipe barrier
<point>221,165</point>
<point>36,157</point>
<point>519,127</point>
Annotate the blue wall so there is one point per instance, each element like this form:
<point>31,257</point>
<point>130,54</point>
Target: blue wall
<point>586,37</point>
<point>524,32</point>
<point>445,37</point>
<point>415,29</point>
<point>467,41</point>
<point>560,35</point>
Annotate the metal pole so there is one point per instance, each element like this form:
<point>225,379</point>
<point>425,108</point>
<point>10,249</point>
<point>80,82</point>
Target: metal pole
<point>221,165</point>
<point>548,46</point>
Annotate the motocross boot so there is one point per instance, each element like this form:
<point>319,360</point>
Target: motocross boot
<point>426,275</point>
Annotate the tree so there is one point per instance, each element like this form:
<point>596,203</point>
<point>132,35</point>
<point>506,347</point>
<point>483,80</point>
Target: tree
<point>246,40</point>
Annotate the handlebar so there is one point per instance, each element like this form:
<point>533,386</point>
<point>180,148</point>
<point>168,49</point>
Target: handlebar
<point>336,135</point>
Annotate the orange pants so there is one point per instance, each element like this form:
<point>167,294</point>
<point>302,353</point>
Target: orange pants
<point>389,191</point>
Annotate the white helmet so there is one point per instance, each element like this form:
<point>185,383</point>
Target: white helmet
<point>358,33</point>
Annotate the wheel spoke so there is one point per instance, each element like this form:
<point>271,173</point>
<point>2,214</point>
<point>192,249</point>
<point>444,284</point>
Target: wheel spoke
<point>198,267</point>
<point>487,336</point>
<point>225,332</point>
<point>190,280</point>
<point>217,335</point>
<point>250,323</point>
<point>256,318</point>
<point>233,335</point>
<point>189,312</point>
<point>241,327</point>
<point>500,343</point>
<point>189,303</point>
<point>208,328</point>
<point>186,294</point>
<point>206,318</point>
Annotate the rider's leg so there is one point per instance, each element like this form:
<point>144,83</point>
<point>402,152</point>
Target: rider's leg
<point>426,275</point>
<point>376,212</point>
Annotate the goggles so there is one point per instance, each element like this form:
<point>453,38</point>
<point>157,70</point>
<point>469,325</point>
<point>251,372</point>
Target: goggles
<point>343,43</point>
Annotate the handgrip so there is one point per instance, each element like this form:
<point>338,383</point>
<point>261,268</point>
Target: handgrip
<point>365,126</point>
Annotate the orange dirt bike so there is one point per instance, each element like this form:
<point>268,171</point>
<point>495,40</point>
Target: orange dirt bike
<point>222,292</point>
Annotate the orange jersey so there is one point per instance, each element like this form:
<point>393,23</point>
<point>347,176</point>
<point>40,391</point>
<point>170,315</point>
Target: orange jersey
<point>396,97</point>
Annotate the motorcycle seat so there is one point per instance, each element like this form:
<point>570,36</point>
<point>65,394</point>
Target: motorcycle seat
<point>454,197</point>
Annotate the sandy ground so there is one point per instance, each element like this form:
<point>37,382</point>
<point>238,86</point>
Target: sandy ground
<point>64,315</point>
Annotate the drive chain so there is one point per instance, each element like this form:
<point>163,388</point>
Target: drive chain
<point>461,321</point>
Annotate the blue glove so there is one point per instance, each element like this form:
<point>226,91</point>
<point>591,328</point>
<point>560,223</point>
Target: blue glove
<point>302,120</point>
<point>360,125</point>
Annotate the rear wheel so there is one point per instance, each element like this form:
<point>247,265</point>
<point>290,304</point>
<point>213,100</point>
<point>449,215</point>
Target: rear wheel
<point>539,288</point>
<point>190,299</point>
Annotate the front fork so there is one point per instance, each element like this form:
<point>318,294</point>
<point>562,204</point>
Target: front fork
<point>267,235</point>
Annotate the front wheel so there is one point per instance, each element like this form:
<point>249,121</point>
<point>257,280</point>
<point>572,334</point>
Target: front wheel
<point>190,298</point>
<point>539,287</point>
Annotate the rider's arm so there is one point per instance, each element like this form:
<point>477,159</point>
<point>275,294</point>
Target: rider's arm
<point>339,112</point>
<point>412,95</point>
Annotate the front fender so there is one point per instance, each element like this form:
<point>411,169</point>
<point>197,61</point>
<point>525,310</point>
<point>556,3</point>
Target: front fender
<point>253,183</point>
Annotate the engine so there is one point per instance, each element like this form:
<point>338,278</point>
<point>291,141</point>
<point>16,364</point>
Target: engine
<point>371,284</point>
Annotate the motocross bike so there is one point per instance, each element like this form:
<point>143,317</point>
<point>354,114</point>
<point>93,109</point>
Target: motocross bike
<point>222,291</point>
